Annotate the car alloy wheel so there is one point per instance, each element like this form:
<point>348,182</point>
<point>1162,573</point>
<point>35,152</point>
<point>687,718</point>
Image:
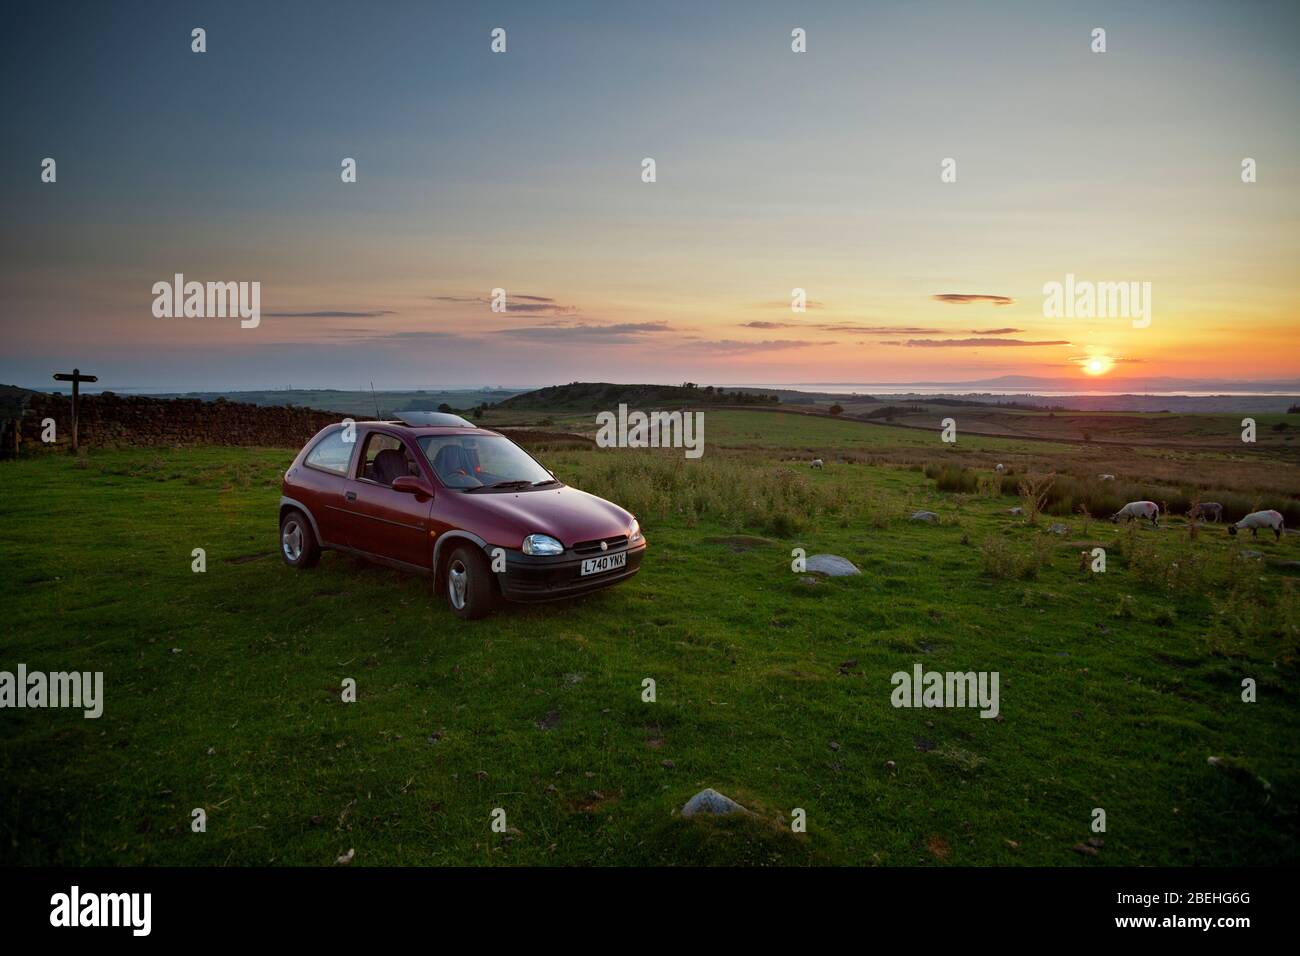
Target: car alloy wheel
<point>457,584</point>
<point>291,540</point>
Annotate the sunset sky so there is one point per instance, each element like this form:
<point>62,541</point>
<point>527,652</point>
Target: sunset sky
<point>522,170</point>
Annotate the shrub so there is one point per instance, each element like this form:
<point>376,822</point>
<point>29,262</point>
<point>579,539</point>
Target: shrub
<point>1001,559</point>
<point>953,478</point>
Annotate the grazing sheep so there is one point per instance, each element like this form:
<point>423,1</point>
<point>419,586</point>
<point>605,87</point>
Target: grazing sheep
<point>1000,468</point>
<point>1209,510</point>
<point>1105,477</point>
<point>818,463</point>
<point>1259,519</point>
<point>1138,509</point>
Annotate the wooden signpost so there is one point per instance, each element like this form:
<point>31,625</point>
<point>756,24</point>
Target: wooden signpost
<point>76,378</point>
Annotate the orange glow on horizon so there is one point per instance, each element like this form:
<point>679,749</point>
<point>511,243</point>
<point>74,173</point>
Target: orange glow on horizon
<point>1098,365</point>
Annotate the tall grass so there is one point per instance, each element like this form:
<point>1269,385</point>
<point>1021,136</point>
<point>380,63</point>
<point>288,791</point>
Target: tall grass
<point>728,489</point>
<point>1069,494</point>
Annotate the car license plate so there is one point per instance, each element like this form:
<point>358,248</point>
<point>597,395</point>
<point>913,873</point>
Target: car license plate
<point>606,562</point>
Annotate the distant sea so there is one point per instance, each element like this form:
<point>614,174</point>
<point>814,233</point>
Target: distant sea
<point>876,388</point>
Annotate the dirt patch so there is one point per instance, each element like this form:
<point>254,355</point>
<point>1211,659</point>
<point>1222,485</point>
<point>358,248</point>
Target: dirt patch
<point>249,558</point>
<point>741,542</point>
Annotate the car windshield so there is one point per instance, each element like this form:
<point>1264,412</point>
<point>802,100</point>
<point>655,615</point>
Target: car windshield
<point>482,461</point>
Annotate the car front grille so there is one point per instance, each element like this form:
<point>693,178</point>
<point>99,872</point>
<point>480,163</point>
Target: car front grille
<point>594,546</point>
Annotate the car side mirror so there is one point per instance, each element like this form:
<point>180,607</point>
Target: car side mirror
<point>412,485</point>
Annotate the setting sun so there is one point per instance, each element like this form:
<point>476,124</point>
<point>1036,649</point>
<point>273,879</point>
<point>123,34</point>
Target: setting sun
<point>1098,365</point>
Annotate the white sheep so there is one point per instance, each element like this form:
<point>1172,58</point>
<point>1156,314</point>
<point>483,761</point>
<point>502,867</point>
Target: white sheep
<point>1000,468</point>
<point>1105,477</point>
<point>1259,519</point>
<point>1138,509</point>
<point>818,463</point>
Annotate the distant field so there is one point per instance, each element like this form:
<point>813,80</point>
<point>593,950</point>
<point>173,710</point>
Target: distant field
<point>358,403</point>
<point>223,688</point>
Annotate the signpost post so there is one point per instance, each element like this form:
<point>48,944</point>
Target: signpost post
<point>76,378</point>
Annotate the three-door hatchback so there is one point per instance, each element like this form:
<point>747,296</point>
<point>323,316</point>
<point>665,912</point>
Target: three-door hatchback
<point>435,494</point>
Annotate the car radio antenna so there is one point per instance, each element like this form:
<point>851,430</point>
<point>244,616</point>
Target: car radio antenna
<point>372,395</point>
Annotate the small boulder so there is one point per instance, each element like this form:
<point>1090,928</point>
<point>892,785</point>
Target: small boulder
<point>927,516</point>
<point>1059,528</point>
<point>711,802</point>
<point>1015,511</point>
<point>831,565</point>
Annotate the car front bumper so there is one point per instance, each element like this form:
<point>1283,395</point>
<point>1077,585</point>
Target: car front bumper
<point>549,578</point>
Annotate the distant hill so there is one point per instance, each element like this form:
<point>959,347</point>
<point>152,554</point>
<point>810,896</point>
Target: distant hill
<point>360,402</point>
<point>596,396</point>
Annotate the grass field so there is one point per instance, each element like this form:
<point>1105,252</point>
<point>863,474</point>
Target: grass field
<point>223,688</point>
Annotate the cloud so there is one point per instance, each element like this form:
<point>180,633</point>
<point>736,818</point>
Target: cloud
<point>587,332</point>
<point>965,298</point>
<point>846,328</point>
<point>977,343</point>
<point>880,330</point>
<point>1113,361</point>
<point>994,331</point>
<point>537,304</point>
<point>328,315</point>
<point>733,346</point>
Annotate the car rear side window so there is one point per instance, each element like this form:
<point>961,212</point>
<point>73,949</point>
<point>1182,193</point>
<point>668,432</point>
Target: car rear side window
<point>385,458</point>
<point>331,453</point>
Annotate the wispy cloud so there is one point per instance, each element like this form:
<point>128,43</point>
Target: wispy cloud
<point>880,330</point>
<point>994,331</point>
<point>846,328</point>
<point>734,346</point>
<point>588,332</point>
<point>977,343</point>
<point>536,304</point>
<point>966,298</point>
<point>329,314</point>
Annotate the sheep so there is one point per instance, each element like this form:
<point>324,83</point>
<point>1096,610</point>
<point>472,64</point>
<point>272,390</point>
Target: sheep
<point>1259,519</point>
<point>1138,509</point>
<point>1208,510</point>
<point>1000,468</point>
<point>1105,477</point>
<point>818,463</point>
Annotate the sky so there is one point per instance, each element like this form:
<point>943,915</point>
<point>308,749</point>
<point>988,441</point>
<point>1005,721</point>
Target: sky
<point>523,171</point>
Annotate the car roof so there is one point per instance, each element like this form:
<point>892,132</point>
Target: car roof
<point>423,431</point>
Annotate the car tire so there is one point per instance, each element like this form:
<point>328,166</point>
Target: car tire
<point>298,544</point>
<point>468,580</point>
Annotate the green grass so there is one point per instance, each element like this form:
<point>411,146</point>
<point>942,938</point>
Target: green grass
<point>223,688</point>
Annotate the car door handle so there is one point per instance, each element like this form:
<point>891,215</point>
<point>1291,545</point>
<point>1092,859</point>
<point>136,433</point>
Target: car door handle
<point>351,496</point>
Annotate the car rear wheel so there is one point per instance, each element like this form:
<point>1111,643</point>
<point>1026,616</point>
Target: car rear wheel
<point>469,583</point>
<point>298,545</point>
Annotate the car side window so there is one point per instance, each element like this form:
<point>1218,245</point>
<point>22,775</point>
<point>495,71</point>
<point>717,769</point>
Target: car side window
<point>385,458</point>
<point>331,453</point>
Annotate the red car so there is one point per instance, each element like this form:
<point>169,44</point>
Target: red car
<point>435,494</point>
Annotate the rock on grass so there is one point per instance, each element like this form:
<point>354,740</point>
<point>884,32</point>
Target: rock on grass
<point>710,802</point>
<point>831,565</point>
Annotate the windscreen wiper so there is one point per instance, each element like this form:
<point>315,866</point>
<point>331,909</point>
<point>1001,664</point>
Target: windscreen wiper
<point>516,483</point>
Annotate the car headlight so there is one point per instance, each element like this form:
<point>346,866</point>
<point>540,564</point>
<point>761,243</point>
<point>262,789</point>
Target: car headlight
<point>634,535</point>
<point>542,544</point>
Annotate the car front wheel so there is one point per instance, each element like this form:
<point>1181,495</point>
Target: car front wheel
<point>469,583</point>
<point>298,545</point>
